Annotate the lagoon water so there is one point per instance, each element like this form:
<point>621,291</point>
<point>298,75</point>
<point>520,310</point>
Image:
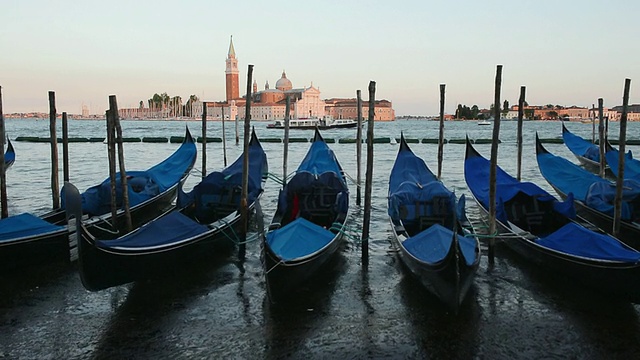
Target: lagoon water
<point>219,309</point>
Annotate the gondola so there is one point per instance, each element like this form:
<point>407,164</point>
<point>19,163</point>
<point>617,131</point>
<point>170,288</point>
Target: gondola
<point>631,165</point>
<point>587,153</point>
<point>424,218</point>
<point>543,230</point>
<point>25,239</point>
<point>9,155</point>
<point>151,193</point>
<point>208,220</point>
<point>593,196</point>
<point>309,222</point>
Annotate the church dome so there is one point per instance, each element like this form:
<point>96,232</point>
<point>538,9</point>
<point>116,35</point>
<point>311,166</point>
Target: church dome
<point>283,83</point>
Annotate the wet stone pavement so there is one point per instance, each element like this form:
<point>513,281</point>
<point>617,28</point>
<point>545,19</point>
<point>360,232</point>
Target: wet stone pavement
<point>218,309</point>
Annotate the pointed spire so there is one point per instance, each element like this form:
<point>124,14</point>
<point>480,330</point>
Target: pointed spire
<point>284,76</point>
<point>232,51</point>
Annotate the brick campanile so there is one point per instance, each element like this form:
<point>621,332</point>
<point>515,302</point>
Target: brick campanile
<point>233,88</point>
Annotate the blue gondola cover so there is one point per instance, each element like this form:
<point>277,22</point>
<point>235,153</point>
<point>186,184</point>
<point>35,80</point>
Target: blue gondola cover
<point>432,245</point>
<point>297,239</point>
<point>23,225</point>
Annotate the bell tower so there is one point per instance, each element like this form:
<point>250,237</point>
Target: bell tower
<point>231,74</point>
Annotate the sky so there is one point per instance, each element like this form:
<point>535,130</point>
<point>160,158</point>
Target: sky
<point>565,52</point>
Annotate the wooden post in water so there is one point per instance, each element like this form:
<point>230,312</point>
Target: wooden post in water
<point>359,148</point>
<point>111,153</point>
<point>55,190</point>
<point>617,210</point>
<point>204,140</point>
<point>369,176</point>
<point>519,136</point>
<point>593,124</point>
<point>245,162</point>
<point>441,131</point>
<point>113,107</point>
<point>237,135</point>
<point>4,211</point>
<point>224,139</point>
<point>285,157</point>
<point>601,140</point>
<point>65,147</point>
<point>494,164</point>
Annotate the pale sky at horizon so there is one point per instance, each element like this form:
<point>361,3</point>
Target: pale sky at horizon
<point>565,52</point>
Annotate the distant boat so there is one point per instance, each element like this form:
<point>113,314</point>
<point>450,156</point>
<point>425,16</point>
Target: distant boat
<point>484,122</point>
<point>323,123</point>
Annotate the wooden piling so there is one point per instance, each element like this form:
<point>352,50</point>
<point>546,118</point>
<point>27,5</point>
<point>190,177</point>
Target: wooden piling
<point>65,147</point>
<point>494,164</point>
<point>519,135</point>
<point>601,140</point>
<point>204,140</point>
<point>285,157</point>
<point>245,162</point>
<point>617,211</point>
<point>4,211</point>
<point>113,106</point>
<point>224,139</point>
<point>441,131</point>
<point>369,176</point>
<point>593,123</point>
<point>237,135</point>
<point>53,139</point>
<point>111,154</point>
<point>359,148</point>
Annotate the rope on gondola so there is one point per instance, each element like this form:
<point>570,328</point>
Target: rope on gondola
<point>345,231</point>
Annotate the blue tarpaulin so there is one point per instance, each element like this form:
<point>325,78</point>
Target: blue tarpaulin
<point>297,239</point>
<point>24,225</point>
<point>576,240</point>
<point>433,244</point>
<point>631,165</point>
<point>580,146</point>
<point>142,185</point>
<point>476,169</point>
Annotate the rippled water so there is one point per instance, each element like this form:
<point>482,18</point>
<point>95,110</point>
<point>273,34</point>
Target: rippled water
<point>219,310</point>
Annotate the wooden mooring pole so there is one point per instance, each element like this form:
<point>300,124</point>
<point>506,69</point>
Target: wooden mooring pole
<point>494,164</point>
<point>4,211</point>
<point>441,131</point>
<point>245,162</point>
<point>224,139</point>
<point>369,175</point>
<point>601,140</point>
<point>593,123</point>
<point>111,153</point>
<point>617,211</point>
<point>204,140</point>
<point>113,107</point>
<point>519,135</point>
<point>55,187</point>
<point>65,147</point>
<point>285,157</point>
<point>359,148</point>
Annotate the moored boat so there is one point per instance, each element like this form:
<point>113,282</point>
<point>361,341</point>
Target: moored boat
<point>587,153</point>
<point>543,230</point>
<point>433,236</point>
<point>208,221</point>
<point>593,196</point>
<point>151,193</point>
<point>309,222</point>
<point>322,123</point>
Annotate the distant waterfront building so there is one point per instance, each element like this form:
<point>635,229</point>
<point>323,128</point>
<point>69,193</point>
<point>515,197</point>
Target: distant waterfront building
<point>348,109</point>
<point>267,104</point>
<point>270,104</point>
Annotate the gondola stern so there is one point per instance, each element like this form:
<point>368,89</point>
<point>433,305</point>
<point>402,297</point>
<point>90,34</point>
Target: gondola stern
<point>188,138</point>
<point>403,143</point>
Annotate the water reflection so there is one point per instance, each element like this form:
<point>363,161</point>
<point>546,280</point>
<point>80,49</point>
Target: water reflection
<point>290,322</point>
